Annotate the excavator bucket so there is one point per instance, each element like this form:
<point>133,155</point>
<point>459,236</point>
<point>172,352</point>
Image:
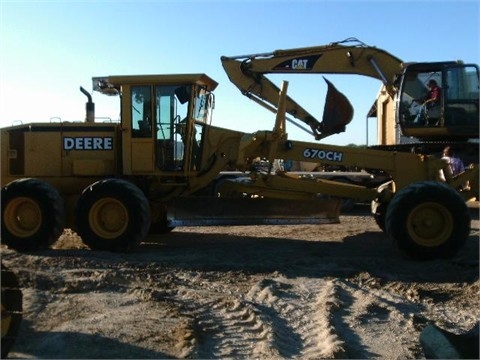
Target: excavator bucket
<point>338,111</point>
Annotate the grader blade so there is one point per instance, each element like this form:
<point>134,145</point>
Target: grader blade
<point>198,211</point>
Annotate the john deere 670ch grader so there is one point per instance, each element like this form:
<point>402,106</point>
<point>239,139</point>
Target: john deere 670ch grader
<point>160,166</point>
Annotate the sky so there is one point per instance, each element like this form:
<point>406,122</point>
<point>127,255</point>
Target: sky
<point>48,49</point>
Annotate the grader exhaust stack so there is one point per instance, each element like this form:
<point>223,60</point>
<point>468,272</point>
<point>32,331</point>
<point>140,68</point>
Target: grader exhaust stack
<point>89,107</point>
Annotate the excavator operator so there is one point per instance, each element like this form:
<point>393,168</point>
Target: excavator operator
<point>430,104</point>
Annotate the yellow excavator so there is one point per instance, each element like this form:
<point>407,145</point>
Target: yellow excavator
<point>453,120</point>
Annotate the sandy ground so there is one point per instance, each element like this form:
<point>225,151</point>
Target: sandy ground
<point>264,292</point>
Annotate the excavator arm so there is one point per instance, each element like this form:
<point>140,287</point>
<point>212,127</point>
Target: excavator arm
<point>350,56</point>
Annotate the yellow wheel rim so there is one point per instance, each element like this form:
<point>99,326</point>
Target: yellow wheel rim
<point>6,321</point>
<point>22,217</point>
<point>108,218</point>
<point>430,224</point>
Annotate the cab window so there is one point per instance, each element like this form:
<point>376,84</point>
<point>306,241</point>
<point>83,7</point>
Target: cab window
<point>461,96</point>
<point>141,112</point>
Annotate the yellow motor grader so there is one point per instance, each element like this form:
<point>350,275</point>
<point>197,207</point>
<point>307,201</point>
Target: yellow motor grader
<point>163,165</point>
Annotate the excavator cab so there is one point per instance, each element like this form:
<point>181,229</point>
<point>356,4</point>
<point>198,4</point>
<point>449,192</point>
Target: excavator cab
<point>453,115</point>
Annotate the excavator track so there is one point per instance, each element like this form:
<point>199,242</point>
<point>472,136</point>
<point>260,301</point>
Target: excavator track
<point>11,310</point>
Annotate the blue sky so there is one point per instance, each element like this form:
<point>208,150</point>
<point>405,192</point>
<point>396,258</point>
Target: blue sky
<point>50,48</point>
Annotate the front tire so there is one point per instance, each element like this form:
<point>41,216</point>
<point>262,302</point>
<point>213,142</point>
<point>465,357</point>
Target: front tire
<point>33,215</point>
<point>113,215</point>
<point>428,220</point>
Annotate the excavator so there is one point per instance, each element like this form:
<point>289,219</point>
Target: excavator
<point>454,120</point>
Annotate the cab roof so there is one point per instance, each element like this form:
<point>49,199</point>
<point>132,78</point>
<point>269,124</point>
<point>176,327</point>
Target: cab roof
<point>111,85</point>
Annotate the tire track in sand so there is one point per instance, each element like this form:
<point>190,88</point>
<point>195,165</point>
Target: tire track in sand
<point>275,319</point>
<point>373,316</point>
<point>299,317</point>
<point>225,328</point>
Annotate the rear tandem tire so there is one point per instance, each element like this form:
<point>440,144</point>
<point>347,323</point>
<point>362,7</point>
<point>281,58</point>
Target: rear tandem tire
<point>112,214</point>
<point>33,214</point>
<point>428,220</point>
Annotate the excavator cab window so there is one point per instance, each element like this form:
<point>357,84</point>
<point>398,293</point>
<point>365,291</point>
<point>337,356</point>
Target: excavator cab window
<point>418,107</point>
<point>462,96</point>
<point>455,109</point>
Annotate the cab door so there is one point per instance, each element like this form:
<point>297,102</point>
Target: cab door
<point>141,154</point>
<point>171,121</point>
<point>157,129</point>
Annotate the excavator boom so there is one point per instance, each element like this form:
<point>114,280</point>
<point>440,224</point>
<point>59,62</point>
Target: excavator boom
<point>350,56</point>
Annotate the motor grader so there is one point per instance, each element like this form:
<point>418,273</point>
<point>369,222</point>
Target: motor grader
<point>161,166</point>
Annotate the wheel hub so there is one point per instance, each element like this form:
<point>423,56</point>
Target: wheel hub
<point>108,218</point>
<point>430,224</point>
<point>23,217</point>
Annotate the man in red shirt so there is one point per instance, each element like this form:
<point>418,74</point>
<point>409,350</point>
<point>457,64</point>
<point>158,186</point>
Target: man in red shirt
<point>433,96</point>
<point>430,103</point>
